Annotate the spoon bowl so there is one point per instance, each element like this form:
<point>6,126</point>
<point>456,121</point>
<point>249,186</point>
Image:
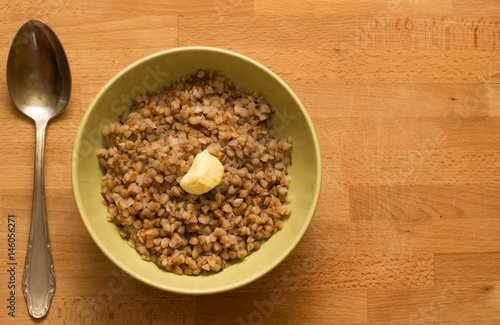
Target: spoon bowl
<point>38,73</point>
<point>39,83</point>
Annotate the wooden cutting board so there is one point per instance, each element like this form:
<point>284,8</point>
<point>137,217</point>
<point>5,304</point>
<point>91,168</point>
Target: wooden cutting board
<point>405,99</point>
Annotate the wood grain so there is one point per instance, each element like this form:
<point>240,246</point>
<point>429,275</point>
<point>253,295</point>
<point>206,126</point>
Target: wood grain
<point>404,96</point>
<point>413,203</point>
<point>447,303</point>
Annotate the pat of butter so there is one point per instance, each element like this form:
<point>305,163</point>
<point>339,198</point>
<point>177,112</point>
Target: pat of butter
<point>205,174</point>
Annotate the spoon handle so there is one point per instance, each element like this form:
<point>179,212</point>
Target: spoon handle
<point>39,282</point>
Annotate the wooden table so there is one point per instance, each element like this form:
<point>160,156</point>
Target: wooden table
<point>405,99</point>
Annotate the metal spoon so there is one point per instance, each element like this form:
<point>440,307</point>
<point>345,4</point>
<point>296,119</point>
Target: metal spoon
<point>39,82</point>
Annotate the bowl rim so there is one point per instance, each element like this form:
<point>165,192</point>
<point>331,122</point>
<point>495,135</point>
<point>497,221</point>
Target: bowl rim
<point>77,195</point>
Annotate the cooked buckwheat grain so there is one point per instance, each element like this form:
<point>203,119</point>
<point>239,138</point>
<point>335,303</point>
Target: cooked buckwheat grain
<point>153,146</point>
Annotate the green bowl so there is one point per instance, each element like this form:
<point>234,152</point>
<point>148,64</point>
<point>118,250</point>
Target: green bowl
<point>150,74</point>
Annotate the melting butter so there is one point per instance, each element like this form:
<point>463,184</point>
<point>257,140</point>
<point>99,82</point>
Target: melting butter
<point>205,174</point>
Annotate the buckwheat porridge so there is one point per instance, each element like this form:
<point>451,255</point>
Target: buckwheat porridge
<point>153,146</point>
